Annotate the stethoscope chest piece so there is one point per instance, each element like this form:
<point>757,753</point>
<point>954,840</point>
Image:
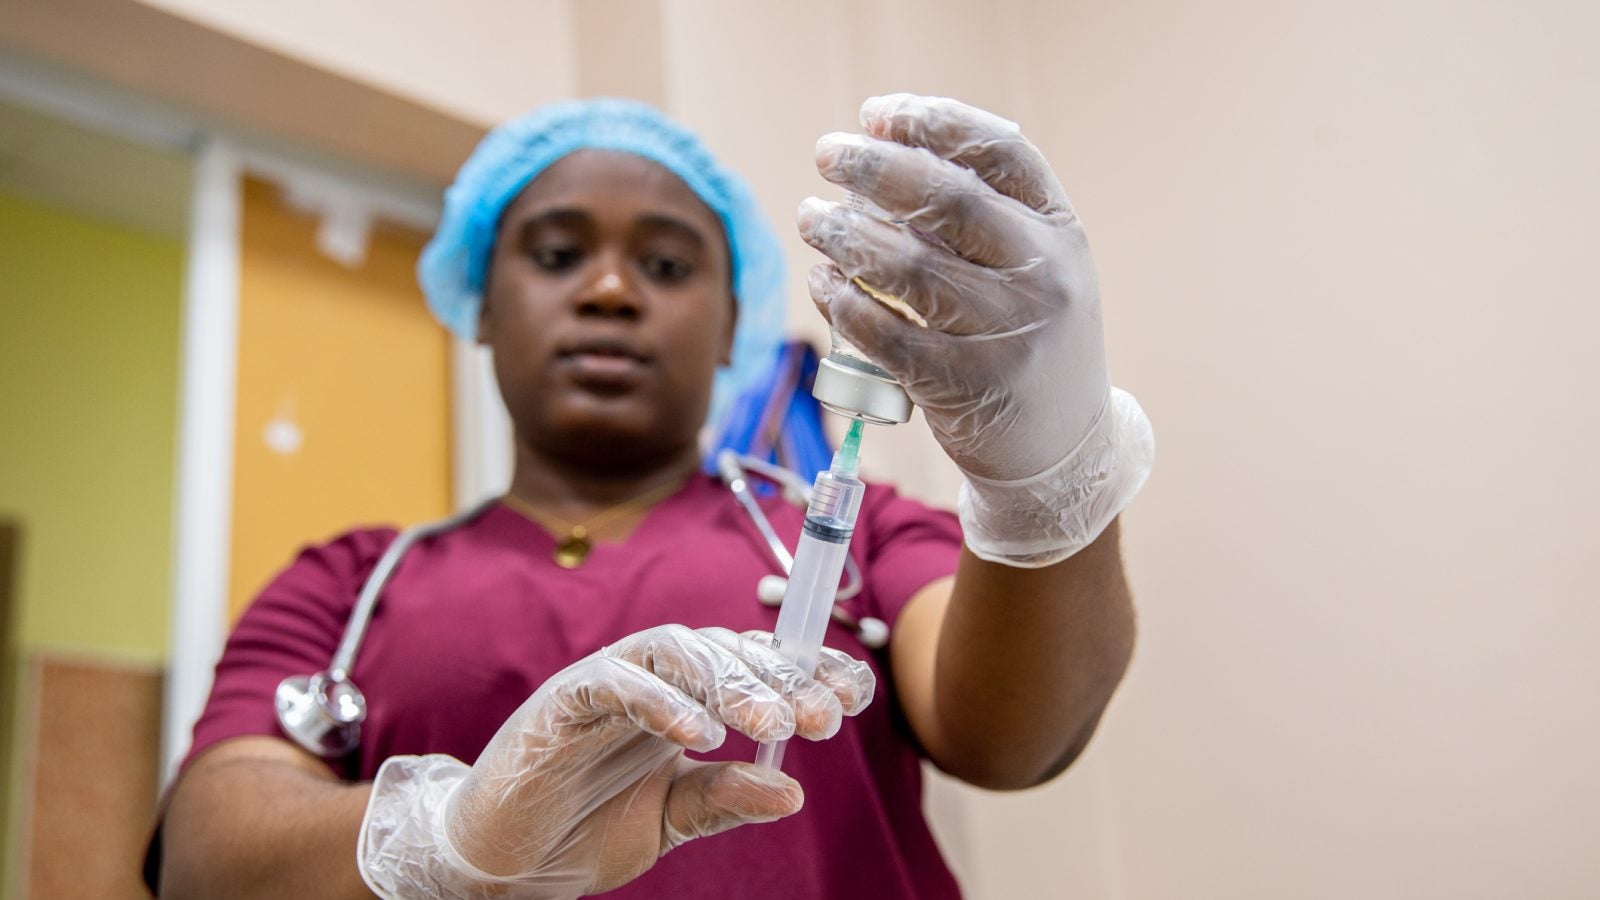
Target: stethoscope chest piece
<point>322,714</point>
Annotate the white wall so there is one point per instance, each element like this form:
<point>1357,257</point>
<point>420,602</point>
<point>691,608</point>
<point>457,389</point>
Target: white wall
<point>1346,258</point>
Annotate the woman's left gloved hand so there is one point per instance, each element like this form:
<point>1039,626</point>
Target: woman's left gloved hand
<point>586,784</point>
<point>1010,367</point>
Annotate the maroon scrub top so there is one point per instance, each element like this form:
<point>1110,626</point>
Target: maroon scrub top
<point>475,619</point>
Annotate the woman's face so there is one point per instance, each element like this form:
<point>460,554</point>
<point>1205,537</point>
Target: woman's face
<point>608,308</point>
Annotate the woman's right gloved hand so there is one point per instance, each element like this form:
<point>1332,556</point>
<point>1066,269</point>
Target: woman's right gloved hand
<point>1004,352</point>
<point>585,786</point>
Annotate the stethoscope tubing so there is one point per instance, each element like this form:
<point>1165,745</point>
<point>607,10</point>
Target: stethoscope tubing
<point>356,630</point>
<point>323,712</point>
<point>732,466</point>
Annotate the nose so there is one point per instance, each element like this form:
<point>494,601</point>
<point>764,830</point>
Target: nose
<point>609,293</point>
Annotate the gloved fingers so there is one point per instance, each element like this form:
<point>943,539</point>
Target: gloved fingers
<point>707,798</point>
<point>817,712</point>
<point>513,811</point>
<point>629,832</point>
<point>935,196</point>
<point>898,345</point>
<point>948,292</point>
<point>714,676</point>
<point>850,680</point>
<point>600,687</point>
<point>988,144</point>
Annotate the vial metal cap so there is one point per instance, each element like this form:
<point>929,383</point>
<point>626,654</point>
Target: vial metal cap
<point>859,394</point>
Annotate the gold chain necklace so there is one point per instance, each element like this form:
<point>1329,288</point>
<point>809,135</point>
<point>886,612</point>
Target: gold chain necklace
<point>573,549</point>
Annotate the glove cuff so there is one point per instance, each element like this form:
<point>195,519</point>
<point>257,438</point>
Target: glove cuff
<point>404,848</point>
<point>1035,522</point>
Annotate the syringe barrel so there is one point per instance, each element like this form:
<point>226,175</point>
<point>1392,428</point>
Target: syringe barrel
<point>818,562</point>
<point>835,498</point>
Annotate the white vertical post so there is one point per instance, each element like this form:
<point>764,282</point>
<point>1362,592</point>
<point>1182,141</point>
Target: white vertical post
<point>204,500</point>
<point>481,426</point>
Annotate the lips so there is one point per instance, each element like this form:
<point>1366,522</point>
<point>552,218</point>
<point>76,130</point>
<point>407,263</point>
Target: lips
<point>606,364</point>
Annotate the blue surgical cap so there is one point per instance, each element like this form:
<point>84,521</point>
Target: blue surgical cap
<point>455,264</point>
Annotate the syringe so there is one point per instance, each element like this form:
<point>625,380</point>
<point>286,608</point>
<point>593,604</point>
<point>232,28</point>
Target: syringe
<point>818,562</point>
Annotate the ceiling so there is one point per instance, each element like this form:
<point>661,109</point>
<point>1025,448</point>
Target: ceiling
<point>50,161</point>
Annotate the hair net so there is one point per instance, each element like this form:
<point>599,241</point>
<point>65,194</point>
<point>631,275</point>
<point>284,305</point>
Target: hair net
<point>454,265</point>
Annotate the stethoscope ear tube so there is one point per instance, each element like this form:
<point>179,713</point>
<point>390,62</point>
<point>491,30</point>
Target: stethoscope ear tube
<point>732,468</point>
<point>323,712</point>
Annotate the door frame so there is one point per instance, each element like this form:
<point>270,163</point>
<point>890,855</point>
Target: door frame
<point>203,501</point>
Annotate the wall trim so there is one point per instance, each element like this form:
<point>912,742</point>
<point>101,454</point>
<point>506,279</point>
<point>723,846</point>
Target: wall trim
<point>481,446</point>
<point>108,109</point>
<point>231,84</point>
<point>204,499</point>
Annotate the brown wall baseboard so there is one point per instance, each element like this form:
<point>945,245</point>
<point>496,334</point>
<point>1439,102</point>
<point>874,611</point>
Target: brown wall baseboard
<point>92,740</point>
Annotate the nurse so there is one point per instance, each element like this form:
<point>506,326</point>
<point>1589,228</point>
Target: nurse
<point>537,677</point>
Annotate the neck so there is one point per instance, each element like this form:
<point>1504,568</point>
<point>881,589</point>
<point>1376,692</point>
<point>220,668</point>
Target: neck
<point>576,490</point>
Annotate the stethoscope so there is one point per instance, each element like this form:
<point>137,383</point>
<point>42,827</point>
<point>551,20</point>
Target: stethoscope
<point>323,712</point>
<point>733,467</point>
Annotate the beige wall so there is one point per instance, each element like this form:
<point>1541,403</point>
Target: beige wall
<point>483,61</point>
<point>1346,259</point>
<point>1345,256</point>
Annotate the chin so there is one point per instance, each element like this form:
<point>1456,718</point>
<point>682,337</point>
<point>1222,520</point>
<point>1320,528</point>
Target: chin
<point>614,434</point>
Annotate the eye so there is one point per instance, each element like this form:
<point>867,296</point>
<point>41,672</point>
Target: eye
<point>556,257</point>
<point>666,269</point>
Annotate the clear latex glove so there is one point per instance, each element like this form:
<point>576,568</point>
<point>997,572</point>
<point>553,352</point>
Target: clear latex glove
<point>1010,368</point>
<point>585,786</point>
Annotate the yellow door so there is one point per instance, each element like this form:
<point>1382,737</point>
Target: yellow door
<point>343,392</point>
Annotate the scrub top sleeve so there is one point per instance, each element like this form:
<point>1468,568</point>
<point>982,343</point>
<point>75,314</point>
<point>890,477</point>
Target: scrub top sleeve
<point>909,545</point>
<point>291,628</point>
